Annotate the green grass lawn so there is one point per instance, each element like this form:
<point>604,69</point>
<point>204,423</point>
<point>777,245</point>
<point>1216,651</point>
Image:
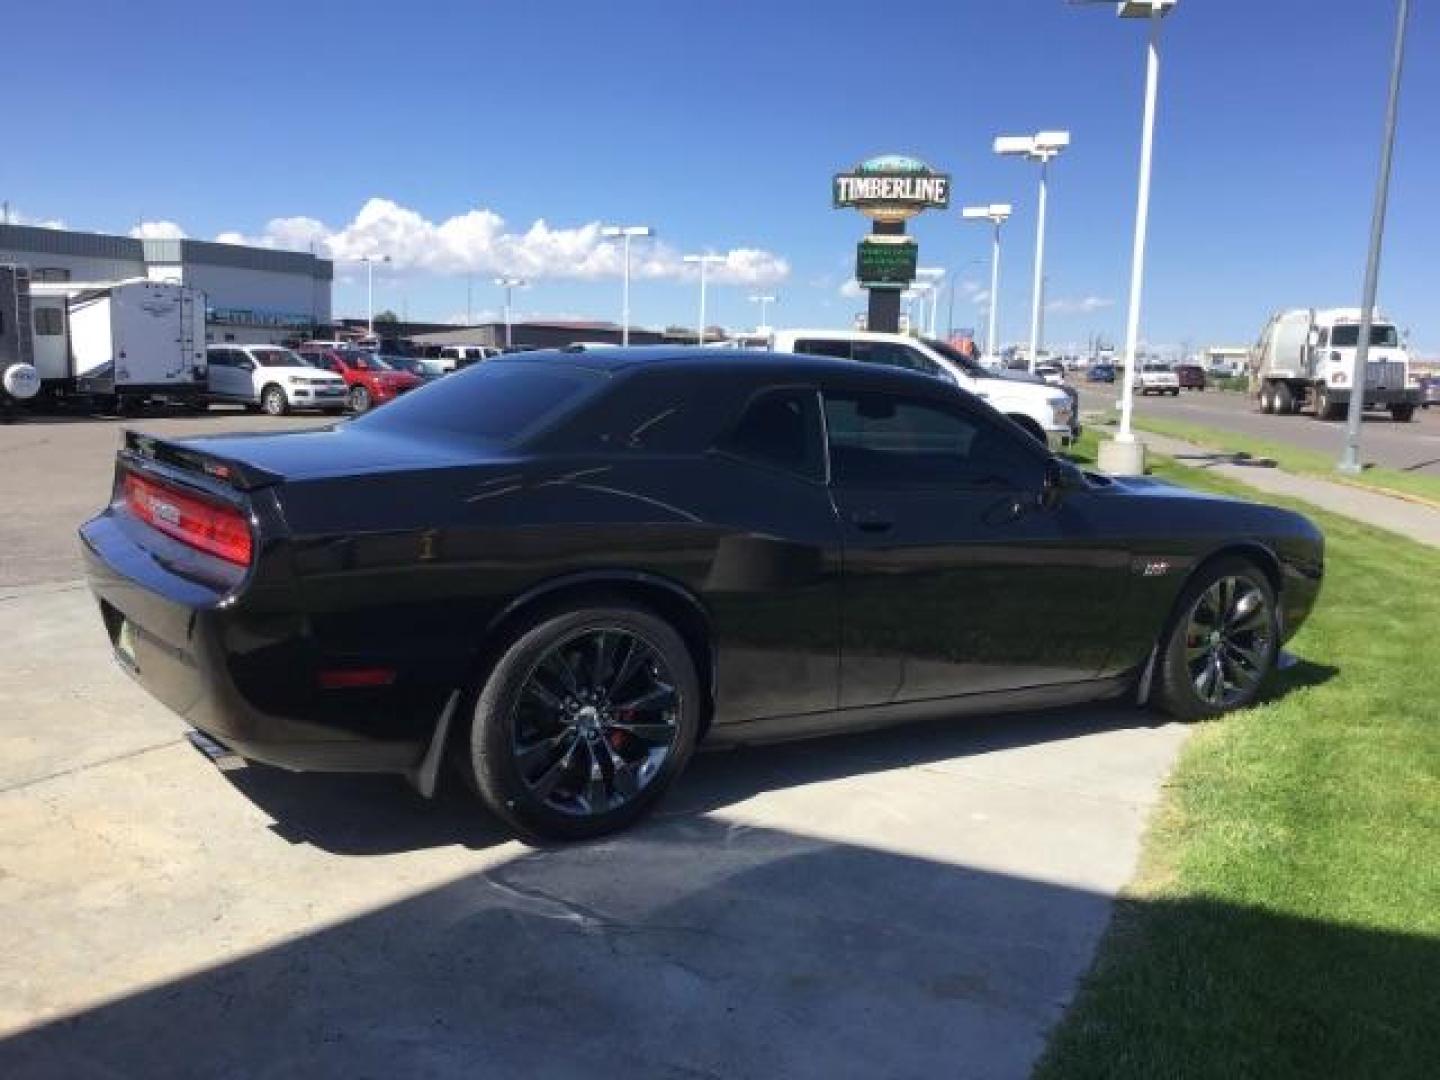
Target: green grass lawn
<point>1294,459</point>
<point>1285,921</point>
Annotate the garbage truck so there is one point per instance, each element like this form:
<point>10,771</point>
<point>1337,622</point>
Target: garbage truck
<point>1305,360</point>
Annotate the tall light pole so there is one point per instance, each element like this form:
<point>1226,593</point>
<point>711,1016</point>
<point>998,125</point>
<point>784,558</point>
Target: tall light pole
<point>369,261</point>
<point>627,233</point>
<point>1127,456</point>
<point>933,275</point>
<point>1043,147</point>
<point>1350,460</point>
<point>997,214</point>
<point>764,300</point>
<point>703,261</point>
<point>509,284</point>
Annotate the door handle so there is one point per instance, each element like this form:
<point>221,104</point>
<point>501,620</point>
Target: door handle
<point>871,521</point>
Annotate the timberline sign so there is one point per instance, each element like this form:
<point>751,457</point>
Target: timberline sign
<point>892,188</point>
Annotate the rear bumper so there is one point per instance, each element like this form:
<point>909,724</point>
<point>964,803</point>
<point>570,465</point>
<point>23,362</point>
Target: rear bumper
<point>247,681</point>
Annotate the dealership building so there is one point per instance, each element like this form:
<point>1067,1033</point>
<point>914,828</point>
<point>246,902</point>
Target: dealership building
<point>251,294</point>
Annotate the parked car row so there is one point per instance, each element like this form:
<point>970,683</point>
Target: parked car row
<point>325,376</point>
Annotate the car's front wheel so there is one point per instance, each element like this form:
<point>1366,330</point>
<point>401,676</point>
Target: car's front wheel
<point>1221,644</point>
<point>584,721</point>
<point>274,401</point>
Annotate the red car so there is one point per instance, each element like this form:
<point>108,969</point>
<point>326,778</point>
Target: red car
<point>371,381</point>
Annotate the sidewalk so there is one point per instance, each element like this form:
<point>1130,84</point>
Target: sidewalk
<point>1412,520</point>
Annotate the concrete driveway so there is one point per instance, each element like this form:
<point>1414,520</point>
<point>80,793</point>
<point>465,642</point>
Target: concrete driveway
<point>915,902</point>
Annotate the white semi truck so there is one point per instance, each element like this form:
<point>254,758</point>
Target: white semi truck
<point>122,342</point>
<point>1305,359</point>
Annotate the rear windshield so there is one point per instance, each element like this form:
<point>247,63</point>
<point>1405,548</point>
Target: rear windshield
<point>1349,336</point>
<point>1160,368</point>
<point>493,403</point>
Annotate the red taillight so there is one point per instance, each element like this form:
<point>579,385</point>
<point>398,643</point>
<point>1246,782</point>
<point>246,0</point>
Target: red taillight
<point>349,678</point>
<point>221,530</point>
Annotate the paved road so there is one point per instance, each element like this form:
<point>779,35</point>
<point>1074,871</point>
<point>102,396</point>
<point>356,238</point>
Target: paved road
<point>919,902</point>
<point>1414,446</point>
<point>57,473</point>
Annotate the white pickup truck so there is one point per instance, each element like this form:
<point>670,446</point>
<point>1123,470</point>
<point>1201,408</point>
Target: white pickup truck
<point>1049,413</point>
<point>1157,379</point>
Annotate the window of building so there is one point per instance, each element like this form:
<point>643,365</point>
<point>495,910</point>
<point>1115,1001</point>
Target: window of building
<point>49,322</point>
<point>50,273</point>
<point>781,429</point>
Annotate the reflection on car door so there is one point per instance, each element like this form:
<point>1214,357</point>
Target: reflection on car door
<point>958,578</point>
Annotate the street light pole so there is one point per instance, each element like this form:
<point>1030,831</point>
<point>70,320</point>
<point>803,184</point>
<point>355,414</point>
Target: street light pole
<point>703,261</point>
<point>1142,223</point>
<point>626,233</point>
<point>764,300</point>
<point>1043,147</point>
<point>509,283</point>
<point>369,261</point>
<point>997,214</point>
<point>1350,461</point>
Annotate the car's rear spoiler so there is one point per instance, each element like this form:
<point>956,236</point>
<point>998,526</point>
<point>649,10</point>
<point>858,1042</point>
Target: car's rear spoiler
<point>235,474</point>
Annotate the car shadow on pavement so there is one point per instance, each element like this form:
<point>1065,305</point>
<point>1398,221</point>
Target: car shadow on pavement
<point>357,815</point>
<point>689,949</point>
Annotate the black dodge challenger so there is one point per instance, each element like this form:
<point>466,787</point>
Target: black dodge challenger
<point>564,571</point>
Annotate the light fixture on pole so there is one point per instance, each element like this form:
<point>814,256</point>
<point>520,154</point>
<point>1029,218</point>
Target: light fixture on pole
<point>703,261</point>
<point>997,214</point>
<point>1350,460</point>
<point>1124,454</point>
<point>626,233</point>
<point>932,275</point>
<point>1043,146</point>
<point>764,300</point>
<point>369,261</point>
<point>509,284</point>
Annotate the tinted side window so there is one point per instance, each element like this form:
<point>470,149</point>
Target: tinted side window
<point>781,429</point>
<point>217,357</point>
<point>893,354</point>
<point>881,440</point>
<point>657,412</point>
<point>822,347</point>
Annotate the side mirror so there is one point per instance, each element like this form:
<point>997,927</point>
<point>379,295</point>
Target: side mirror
<point>1061,476</point>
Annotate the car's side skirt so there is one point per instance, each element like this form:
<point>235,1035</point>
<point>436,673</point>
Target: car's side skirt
<point>782,728</point>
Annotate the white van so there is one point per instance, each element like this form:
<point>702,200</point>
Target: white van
<point>1049,413</point>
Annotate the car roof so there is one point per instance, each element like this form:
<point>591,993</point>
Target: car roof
<point>776,366</point>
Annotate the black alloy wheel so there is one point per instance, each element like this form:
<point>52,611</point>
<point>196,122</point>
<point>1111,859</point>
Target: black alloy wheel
<point>584,722</point>
<point>1222,645</point>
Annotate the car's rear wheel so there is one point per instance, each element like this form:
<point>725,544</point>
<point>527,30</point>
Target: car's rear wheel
<point>1221,644</point>
<point>584,721</point>
<point>1284,399</point>
<point>359,399</point>
<point>1402,414</point>
<point>274,401</point>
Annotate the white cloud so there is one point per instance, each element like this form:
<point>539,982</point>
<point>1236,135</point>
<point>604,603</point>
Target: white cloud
<point>1078,305</point>
<point>158,230</point>
<point>478,241</point>
<point>17,218</point>
<point>851,289</point>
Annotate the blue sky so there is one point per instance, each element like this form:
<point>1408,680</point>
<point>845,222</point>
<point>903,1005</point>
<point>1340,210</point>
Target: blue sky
<point>444,131</point>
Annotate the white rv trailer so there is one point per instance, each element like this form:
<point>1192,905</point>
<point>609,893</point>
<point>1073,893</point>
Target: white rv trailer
<point>1306,358</point>
<point>123,341</point>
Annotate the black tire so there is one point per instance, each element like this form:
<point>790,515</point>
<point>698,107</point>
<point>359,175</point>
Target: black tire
<point>1267,399</point>
<point>1176,679</point>
<point>1325,409</point>
<point>1284,399</point>
<point>360,400</point>
<point>1175,392</point>
<point>273,401</point>
<point>1402,414</point>
<point>491,757</point>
